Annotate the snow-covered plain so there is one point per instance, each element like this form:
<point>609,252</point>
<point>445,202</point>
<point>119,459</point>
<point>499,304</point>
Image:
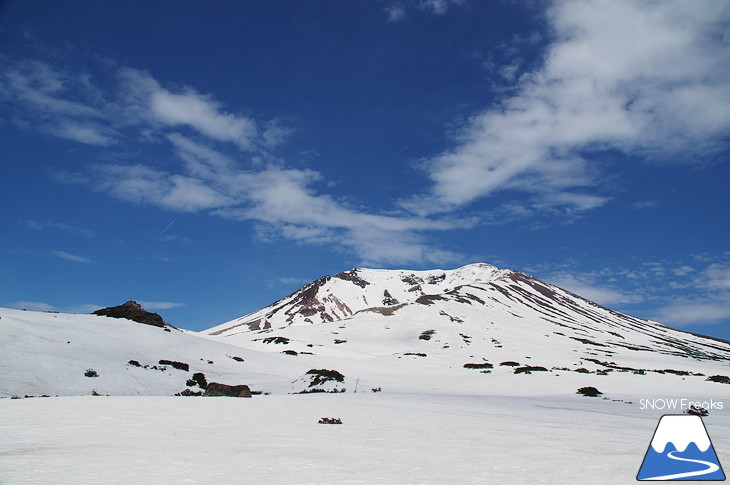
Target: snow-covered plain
<point>385,438</point>
<point>445,347</point>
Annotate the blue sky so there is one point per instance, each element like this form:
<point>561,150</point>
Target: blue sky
<point>209,158</point>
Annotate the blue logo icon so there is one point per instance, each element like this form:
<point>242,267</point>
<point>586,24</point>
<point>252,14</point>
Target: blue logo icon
<point>681,450</point>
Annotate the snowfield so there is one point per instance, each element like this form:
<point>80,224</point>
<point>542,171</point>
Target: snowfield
<point>384,438</point>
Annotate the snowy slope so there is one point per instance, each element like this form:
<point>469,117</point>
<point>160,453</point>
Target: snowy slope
<point>416,331</point>
<point>50,353</point>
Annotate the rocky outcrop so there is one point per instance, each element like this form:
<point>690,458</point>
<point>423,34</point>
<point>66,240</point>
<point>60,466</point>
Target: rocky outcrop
<point>133,311</point>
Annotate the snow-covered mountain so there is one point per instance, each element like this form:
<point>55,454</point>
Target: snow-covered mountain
<point>472,330</point>
<point>389,325</point>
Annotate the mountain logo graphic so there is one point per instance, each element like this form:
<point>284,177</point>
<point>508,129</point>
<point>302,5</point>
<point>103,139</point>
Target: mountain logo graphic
<point>681,450</point>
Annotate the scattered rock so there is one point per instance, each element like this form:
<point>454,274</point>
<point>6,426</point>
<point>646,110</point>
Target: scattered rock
<point>529,369</point>
<point>426,334</point>
<point>217,389</point>
<point>330,421</point>
<point>589,391</point>
<point>722,379</point>
<point>176,365</point>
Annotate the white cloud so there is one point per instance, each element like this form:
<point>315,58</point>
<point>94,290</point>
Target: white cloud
<point>37,95</point>
<point>438,7</point>
<point>715,277</point>
<point>683,270</point>
<point>89,135</point>
<point>71,257</point>
<point>398,10</point>
<point>59,226</point>
<point>698,312</point>
<point>34,306</point>
<point>396,13</point>
<point>204,115</point>
<point>39,306</point>
<point>283,203</point>
<point>159,305</point>
<point>650,78</point>
<point>587,288</point>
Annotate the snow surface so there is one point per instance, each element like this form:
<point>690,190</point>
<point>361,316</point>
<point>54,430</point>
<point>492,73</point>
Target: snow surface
<point>384,439</point>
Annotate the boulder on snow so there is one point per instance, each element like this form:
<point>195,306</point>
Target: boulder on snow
<point>132,310</point>
<point>218,389</point>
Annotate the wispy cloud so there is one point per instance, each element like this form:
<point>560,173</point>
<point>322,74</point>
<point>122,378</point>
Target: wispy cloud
<point>670,292</point>
<point>71,257</point>
<point>702,311</point>
<point>159,305</point>
<point>246,184</point>
<point>397,11</point>
<point>39,306</point>
<point>58,103</point>
<point>647,78</point>
<point>58,226</point>
<point>588,287</point>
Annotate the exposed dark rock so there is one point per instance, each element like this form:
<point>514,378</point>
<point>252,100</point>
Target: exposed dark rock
<point>589,391</point>
<point>176,365</point>
<point>426,334</point>
<point>480,365</point>
<point>197,380</point>
<point>133,311</point>
<point>217,389</point>
<point>721,379</point>
<point>353,277</point>
<point>276,340</point>
<point>388,299</point>
<point>432,280</point>
<point>188,392</point>
<point>529,369</point>
<point>320,376</point>
<point>330,421</point>
<point>429,299</point>
<point>696,410</point>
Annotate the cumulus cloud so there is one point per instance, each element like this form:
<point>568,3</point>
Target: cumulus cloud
<point>646,78</point>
